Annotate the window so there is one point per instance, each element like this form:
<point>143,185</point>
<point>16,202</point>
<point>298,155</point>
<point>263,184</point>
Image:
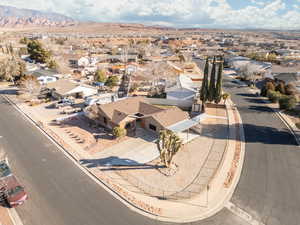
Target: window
<point>128,126</point>
<point>104,120</point>
<point>152,127</point>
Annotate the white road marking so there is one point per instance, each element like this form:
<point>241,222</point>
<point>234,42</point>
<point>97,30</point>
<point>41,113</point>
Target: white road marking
<point>242,214</point>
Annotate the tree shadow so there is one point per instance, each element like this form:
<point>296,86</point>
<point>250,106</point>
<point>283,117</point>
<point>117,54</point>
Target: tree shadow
<point>246,94</point>
<point>255,100</point>
<point>116,163</point>
<point>8,91</point>
<point>255,133</point>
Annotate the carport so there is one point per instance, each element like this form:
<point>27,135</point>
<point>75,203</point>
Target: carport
<point>186,125</point>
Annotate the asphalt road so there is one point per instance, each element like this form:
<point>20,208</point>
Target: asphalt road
<point>61,194</point>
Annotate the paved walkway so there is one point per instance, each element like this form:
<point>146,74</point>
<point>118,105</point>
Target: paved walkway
<point>5,218</point>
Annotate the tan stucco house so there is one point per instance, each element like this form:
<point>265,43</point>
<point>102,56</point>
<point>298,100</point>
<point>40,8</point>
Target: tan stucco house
<point>135,112</point>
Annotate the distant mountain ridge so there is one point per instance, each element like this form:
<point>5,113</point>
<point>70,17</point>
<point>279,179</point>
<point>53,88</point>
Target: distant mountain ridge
<point>15,17</point>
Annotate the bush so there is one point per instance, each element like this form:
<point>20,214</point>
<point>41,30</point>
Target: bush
<point>287,102</point>
<point>268,86</point>
<point>274,96</point>
<point>112,81</point>
<point>119,132</point>
<point>290,89</point>
<point>280,87</point>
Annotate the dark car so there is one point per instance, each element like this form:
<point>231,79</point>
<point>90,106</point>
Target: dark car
<point>4,169</point>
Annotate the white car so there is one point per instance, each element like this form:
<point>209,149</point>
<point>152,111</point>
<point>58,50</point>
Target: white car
<point>100,99</point>
<point>46,79</point>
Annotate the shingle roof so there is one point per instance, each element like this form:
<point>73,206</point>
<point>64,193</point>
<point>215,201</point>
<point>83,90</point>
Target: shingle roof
<point>170,116</point>
<point>285,69</point>
<point>116,111</point>
<point>62,86</point>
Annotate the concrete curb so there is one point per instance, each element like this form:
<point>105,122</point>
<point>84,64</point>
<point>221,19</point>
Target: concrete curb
<point>123,199</point>
<point>291,126</point>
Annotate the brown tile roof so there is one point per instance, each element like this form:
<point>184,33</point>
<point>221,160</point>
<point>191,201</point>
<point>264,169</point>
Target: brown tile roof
<point>117,111</point>
<point>170,116</point>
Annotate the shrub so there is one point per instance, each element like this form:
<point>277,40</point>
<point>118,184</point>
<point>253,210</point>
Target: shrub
<point>119,132</point>
<point>287,102</point>
<point>280,87</point>
<point>268,86</point>
<point>290,89</point>
<point>274,96</point>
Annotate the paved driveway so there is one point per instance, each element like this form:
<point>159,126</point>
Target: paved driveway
<point>132,152</point>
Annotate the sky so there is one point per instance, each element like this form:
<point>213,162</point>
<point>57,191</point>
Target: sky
<point>240,14</point>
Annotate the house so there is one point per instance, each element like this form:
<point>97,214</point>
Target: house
<point>65,88</point>
<point>135,112</point>
<point>77,61</point>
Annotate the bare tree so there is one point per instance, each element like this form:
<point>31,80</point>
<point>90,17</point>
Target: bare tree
<point>30,85</point>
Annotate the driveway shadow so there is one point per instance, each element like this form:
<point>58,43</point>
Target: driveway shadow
<point>255,100</point>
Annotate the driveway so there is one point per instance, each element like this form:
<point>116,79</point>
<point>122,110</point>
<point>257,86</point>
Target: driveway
<point>134,151</point>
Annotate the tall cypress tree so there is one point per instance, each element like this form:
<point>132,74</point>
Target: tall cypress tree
<point>212,82</point>
<point>218,92</point>
<point>204,87</point>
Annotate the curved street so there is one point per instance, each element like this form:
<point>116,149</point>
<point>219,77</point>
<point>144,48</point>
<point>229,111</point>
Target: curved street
<point>60,193</point>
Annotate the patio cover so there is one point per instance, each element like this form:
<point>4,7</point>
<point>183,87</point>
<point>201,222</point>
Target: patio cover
<point>187,124</point>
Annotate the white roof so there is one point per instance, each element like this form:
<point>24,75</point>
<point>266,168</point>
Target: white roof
<point>187,124</point>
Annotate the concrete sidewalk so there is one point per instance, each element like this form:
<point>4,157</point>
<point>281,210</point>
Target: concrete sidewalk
<point>211,200</point>
<point>5,218</point>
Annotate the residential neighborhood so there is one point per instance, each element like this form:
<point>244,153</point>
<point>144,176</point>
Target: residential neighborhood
<point>127,123</point>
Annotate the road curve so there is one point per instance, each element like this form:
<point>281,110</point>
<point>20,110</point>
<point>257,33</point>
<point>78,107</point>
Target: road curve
<point>61,194</point>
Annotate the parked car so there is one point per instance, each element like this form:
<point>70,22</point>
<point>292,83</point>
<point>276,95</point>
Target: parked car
<point>70,110</point>
<point>64,102</point>
<point>46,79</point>
<point>4,169</point>
<point>100,99</point>
<point>12,193</point>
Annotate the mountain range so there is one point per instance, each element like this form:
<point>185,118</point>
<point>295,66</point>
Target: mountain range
<point>15,17</point>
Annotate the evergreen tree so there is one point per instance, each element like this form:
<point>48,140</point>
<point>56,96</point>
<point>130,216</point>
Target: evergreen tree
<point>37,52</point>
<point>218,90</point>
<point>100,76</point>
<point>212,82</point>
<point>204,87</point>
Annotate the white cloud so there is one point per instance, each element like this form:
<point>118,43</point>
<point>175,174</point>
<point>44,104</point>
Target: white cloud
<point>206,13</point>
